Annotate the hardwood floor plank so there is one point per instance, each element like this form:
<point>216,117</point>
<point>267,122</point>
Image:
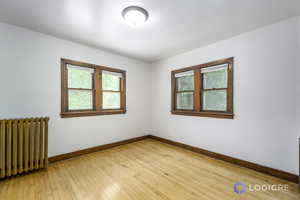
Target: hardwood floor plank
<point>144,170</point>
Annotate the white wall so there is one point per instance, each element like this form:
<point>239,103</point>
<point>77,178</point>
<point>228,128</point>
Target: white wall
<point>299,37</point>
<point>30,86</point>
<point>264,128</point>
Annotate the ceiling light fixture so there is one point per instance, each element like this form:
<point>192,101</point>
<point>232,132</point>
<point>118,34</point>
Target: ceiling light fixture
<point>135,15</point>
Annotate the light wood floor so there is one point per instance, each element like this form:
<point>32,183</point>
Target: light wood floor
<point>143,170</point>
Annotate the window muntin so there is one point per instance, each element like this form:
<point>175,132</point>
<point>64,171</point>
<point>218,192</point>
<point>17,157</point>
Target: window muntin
<point>92,90</point>
<point>204,90</point>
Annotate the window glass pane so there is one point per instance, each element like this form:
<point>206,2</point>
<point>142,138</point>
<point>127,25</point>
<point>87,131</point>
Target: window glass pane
<point>185,83</point>
<point>185,101</point>
<point>80,77</point>
<point>111,100</point>
<point>215,100</point>
<point>215,79</point>
<point>80,100</point>
<point>111,81</point>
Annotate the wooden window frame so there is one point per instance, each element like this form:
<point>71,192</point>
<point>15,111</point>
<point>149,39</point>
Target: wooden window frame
<point>96,88</point>
<point>198,90</point>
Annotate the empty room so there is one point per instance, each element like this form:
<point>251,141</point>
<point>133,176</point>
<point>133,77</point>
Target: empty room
<point>149,100</point>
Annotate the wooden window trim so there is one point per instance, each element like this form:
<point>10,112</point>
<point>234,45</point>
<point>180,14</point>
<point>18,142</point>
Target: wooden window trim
<point>97,91</point>
<point>198,89</point>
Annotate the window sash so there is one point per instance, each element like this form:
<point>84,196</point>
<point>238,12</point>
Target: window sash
<point>177,87</point>
<point>180,92</point>
<point>90,70</point>
<point>118,92</point>
<point>209,69</point>
<point>76,110</point>
<point>211,110</point>
<point>177,91</point>
<point>112,91</point>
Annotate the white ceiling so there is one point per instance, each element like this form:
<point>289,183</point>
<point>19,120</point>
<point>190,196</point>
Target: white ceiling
<point>174,26</point>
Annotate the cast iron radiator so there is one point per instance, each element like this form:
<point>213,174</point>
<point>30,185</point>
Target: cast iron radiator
<point>23,145</point>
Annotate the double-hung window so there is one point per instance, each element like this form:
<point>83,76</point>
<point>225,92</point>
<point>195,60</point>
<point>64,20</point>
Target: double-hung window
<point>185,90</point>
<point>204,90</point>
<point>88,89</point>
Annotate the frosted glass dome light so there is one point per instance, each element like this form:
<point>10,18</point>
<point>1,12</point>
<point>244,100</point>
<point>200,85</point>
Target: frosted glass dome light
<point>135,16</point>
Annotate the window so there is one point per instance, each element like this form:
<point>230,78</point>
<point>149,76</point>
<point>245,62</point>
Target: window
<point>185,90</point>
<point>204,90</point>
<point>88,89</point>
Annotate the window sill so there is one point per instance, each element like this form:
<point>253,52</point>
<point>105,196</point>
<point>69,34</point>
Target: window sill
<point>91,113</point>
<point>204,114</point>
